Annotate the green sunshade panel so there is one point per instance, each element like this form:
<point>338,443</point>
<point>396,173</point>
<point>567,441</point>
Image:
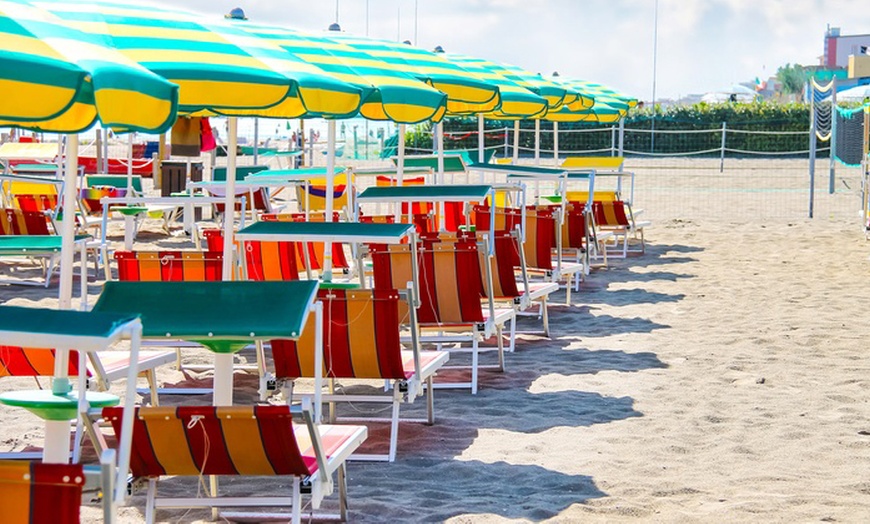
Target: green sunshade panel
<point>393,171</point>
<point>340,232</point>
<point>51,328</point>
<point>517,169</point>
<point>516,100</point>
<point>219,68</point>
<point>439,193</point>
<point>466,92</point>
<point>222,315</point>
<point>56,78</point>
<point>33,244</point>
<point>452,163</point>
<point>388,94</point>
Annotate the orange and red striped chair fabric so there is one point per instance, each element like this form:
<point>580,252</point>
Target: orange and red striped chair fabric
<point>165,266</point>
<point>360,338</point>
<point>315,249</point>
<point>271,260</point>
<point>32,362</point>
<point>206,440</point>
<point>449,277</point>
<point>36,493</point>
<point>37,202</point>
<point>540,231</point>
<point>610,214</point>
<point>20,222</point>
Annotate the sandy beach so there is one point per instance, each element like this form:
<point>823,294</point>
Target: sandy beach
<point>721,376</point>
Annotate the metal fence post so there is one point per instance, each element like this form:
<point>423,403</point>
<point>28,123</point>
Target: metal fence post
<point>812,146</point>
<point>612,140</point>
<point>506,145</point>
<point>833,140</point>
<point>722,154</point>
<point>621,137</point>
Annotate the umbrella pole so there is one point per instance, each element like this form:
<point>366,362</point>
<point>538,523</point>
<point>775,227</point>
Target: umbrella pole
<point>330,188</point>
<point>537,142</point>
<point>516,141</point>
<point>230,197</point>
<point>481,142</point>
<point>400,168</point>
<point>556,143</point>
<point>129,226</point>
<point>439,136</point>
<point>60,383</point>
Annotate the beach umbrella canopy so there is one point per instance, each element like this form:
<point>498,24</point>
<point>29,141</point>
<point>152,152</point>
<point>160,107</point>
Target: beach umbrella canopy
<point>219,69</point>
<point>601,112</point>
<point>466,92</point>
<point>58,79</point>
<point>854,94</point>
<point>388,94</point>
<point>556,94</point>
<point>601,92</point>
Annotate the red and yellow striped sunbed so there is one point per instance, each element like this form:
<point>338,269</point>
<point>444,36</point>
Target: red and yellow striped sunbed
<point>36,493</point>
<point>238,441</point>
<point>166,266</point>
<point>361,340</point>
<point>451,287</point>
<point>617,217</point>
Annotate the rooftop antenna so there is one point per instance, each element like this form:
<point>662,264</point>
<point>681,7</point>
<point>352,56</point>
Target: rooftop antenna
<point>416,42</point>
<point>367,26</point>
<point>336,10</point>
<point>399,23</point>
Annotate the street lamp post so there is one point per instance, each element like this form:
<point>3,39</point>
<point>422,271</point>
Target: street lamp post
<point>655,59</point>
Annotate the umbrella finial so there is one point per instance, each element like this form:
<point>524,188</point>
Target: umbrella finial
<point>334,27</point>
<point>236,14</point>
<point>555,73</point>
<point>438,49</point>
<point>407,42</point>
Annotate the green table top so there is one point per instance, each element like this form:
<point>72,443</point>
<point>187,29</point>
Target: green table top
<point>340,232</point>
<point>49,406</point>
<point>34,168</point>
<point>130,210</point>
<point>40,327</point>
<point>518,170</point>
<point>223,316</point>
<point>17,244</point>
<point>392,171</point>
<point>453,163</point>
<point>439,193</point>
<point>339,285</point>
<point>304,173</point>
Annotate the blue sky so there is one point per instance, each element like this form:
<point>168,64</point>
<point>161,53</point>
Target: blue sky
<point>703,45</point>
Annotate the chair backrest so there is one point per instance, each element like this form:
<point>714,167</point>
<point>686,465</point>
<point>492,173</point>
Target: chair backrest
<point>36,493</point>
<point>20,222</point>
<point>614,213</point>
<point>583,196</point>
<point>360,338</point>
<point>317,193</point>
<point>540,231</point>
<point>271,260</point>
<point>503,263</point>
<point>90,197</point>
<point>261,195</point>
<point>165,266</point>
<point>449,279</point>
<point>32,362</point>
<point>261,199</point>
<point>32,196</point>
<point>315,249</point>
<point>237,440</point>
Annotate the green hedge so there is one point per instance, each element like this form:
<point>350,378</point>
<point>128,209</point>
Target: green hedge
<point>755,116</point>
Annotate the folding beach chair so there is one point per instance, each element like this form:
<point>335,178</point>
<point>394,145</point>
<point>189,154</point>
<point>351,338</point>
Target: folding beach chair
<point>240,441</point>
<point>167,265</point>
<point>361,334</point>
<point>36,493</point>
<point>310,255</point>
<point>450,287</point>
<point>616,217</point>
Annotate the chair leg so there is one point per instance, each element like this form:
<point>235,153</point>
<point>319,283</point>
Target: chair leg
<point>342,492</point>
<point>430,401</point>
<point>474,362</point>
<point>513,343</point>
<point>150,501</point>
<point>394,425</point>
<point>151,377</point>
<point>545,317</point>
<point>500,336</point>
<point>297,500</point>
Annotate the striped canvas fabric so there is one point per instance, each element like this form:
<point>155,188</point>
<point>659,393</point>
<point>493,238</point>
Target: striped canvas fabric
<point>219,68</point>
<point>165,266</point>
<point>238,440</point>
<point>388,94</point>
<point>360,337</point>
<point>466,92</point>
<point>35,493</point>
<point>20,222</point>
<point>315,249</point>
<point>56,78</point>
<point>32,362</point>
<point>516,100</point>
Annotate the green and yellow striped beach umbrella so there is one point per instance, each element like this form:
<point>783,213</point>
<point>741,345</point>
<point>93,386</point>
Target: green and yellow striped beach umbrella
<point>517,101</point>
<point>465,91</point>
<point>600,92</point>
<point>388,94</point>
<point>601,112</point>
<point>55,78</point>
<point>219,68</point>
<point>556,94</point>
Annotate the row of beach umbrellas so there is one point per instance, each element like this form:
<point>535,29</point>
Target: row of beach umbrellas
<point>67,65</point>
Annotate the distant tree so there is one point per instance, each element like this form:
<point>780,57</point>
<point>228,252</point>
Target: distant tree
<point>793,77</point>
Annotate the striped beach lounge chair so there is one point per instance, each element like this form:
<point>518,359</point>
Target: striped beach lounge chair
<point>36,493</point>
<point>449,282</point>
<point>361,334</point>
<point>240,441</point>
